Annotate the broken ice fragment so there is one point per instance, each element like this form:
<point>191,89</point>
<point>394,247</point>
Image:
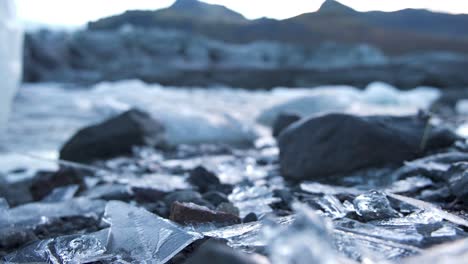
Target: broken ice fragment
<point>307,240</point>
<point>73,249</point>
<point>78,249</point>
<point>62,193</point>
<point>140,236</point>
<point>411,184</point>
<point>4,205</point>
<point>33,214</point>
<point>332,207</point>
<point>318,188</point>
<point>374,205</point>
<point>445,231</point>
<point>430,208</point>
<point>253,199</point>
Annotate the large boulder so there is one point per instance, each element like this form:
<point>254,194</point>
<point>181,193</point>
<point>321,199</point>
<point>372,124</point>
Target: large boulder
<point>283,121</point>
<point>114,137</point>
<point>334,144</point>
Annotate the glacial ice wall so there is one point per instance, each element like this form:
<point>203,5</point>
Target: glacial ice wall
<point>10,57</point>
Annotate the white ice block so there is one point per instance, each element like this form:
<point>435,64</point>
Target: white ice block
<point>11,38</point>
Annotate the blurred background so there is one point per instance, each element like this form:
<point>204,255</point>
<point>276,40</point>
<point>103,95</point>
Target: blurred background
<point>248,44</point>
<point>222,70</point>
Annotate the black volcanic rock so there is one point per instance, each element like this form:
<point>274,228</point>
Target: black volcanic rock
<point>114,137</point>
<point>335,144</point>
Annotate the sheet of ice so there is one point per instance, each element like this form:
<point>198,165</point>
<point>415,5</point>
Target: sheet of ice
<point>10,57</point>
<point>377,98</point>
<point>139,236</point>
<point>35,213</point>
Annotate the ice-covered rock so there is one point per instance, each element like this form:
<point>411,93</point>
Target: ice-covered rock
<point>10,57</point>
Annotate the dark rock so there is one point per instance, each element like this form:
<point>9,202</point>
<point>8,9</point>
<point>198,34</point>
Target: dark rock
<point>203,179</point>
<point>45,182</point>
<point>16,193</point>
<point>251,217</point>
<point>148,194</point>
<point>283,121</point>
<point>215,252</point>
<point>190,213</point>
<point>160,208</point>
<point>225,188</point>
<point>334,144</point>
<point>286,199</point>
<point>374,205</point>
<point>458,182</point>
<point>15,237</point>
<point>215,197</point>
<point>62,226</point>
<point>114,137</point>
<point>109,192</point>
<point>186,196</point>
<point>229,208</point>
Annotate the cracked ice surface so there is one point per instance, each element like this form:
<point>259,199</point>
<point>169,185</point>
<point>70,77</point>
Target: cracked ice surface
<point>140,236</point>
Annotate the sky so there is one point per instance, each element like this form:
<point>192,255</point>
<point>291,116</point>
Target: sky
<point>78,12</point>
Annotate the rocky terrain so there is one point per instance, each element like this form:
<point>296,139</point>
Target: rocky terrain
<point>340,187</point>
<point>178,46</point>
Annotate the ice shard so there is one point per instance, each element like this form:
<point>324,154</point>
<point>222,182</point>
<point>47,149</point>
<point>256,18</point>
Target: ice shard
<point>374,205</point>
<point>10,57</point>
<point>32,214</point>
<point>139,236</point>
<point>73,249</point>
<point>307,240</point>
<point>253,199</point>
<point>62,194</point>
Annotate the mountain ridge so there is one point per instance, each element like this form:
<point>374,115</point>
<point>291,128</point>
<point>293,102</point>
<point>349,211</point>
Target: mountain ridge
<point>398,32</point>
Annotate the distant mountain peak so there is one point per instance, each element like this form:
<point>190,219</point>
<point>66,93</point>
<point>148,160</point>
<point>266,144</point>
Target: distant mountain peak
<point>205,11</point>
<point>333,6</point>
<point>185,4</point>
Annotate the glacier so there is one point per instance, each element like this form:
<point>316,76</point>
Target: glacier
<point>10,57</point>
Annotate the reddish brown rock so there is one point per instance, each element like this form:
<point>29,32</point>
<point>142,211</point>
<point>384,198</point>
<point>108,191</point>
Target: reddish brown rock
<point>190,213</point>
